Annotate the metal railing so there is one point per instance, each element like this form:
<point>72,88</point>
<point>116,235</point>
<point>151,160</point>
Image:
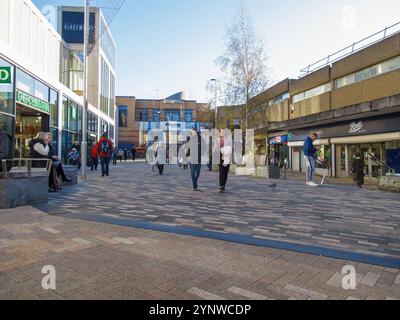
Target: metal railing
<point>355,47</point>
<point>22,164</point>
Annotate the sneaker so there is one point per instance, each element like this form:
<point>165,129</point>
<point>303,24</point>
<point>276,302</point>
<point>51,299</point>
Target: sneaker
<point>307,184</point>
<point>312,184</point>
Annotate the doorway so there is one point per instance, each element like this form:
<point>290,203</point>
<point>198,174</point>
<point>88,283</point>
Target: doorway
<point>28,124</point>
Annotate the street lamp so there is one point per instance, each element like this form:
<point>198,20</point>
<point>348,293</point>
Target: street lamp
<point>216,102</point>
<point>85,89</point>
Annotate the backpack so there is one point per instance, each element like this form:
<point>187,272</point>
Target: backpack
<point>105,147</point>
<point>73,155</point>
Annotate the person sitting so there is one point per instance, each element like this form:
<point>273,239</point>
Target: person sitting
<point>56,161</point>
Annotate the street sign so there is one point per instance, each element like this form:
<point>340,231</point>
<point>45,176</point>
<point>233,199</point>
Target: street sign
<point>5,75</point>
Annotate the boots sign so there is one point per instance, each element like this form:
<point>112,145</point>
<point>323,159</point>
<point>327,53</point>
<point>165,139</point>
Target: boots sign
<point>5,75</point>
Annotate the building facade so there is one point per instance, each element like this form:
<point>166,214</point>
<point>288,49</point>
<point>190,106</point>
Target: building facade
<point>34,96</point>
<point>353,104</point>
<point>173,115</point>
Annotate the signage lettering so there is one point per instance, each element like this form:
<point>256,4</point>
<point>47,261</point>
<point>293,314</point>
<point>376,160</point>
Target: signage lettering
<point>356,127</point>
<point>32,102</point>
<point>5,75</point>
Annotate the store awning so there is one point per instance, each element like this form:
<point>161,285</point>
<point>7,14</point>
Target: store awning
<point>373,138</point>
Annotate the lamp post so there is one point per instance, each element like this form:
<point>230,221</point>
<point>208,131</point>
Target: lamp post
<point>85,90</point>
<point>216,102</point>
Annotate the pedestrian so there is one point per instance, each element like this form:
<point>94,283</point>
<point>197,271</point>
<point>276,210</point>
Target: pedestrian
<point>120,155</point>
<point>125,155</point>
<point>94,157</point>
<point>159,153</point>
<point>358,170</point>
<point>133,151</point>
<point>105,149</point>
<point>74,155</point>
<point>183,159</point>
<point>310,153</point>
<point>194,155</point>
<point>225,159</point>
<point>5,145</point>
<point>114,156</point>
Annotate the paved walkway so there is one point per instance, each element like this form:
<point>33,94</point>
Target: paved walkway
<point>103,261</point>
<point>337,221</point>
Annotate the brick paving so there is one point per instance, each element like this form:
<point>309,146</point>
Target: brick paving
<point>332,216</point>
<point>104,261</point>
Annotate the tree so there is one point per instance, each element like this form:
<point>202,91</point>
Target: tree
<point>243,62</point>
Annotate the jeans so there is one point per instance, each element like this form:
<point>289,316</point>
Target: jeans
<point>310,164</point>
<point>105,166</point>
<point>223,175</point>
<point>195,170</point>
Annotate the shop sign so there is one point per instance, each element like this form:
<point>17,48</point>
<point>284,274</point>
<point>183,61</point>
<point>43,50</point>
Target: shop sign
<point>32,102</point>
<point>279,140</point>
<point>356,127</point>
<point>5,75</point>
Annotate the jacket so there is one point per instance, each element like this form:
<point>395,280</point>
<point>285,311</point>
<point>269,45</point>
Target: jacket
<point>99,148</point>
<point>5,143</point>
<point>309,149</point>
<point>38,150</point>
<point>95,152</point>
<point>195,155</point>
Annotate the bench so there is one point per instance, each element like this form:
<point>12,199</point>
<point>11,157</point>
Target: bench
<point>24,185</point>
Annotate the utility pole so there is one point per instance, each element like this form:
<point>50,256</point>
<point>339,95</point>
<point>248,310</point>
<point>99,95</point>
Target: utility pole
<point>85,89</point>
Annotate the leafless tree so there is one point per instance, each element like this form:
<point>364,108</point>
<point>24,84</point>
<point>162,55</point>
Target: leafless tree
<point>243,62</point>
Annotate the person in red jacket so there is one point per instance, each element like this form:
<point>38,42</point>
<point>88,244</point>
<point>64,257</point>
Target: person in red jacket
<point>94,157</point>
<point>105,148</point>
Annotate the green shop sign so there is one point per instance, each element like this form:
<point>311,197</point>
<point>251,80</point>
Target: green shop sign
<point>33,102</point>
<point>5,75</point>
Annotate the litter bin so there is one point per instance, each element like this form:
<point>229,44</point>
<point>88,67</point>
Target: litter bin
<point>274,172</point>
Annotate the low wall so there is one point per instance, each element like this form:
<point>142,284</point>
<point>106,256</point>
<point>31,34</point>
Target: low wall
<point>390,183</point>
<point>23,191</point>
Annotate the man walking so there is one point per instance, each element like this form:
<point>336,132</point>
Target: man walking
<point>105,148</point>
<point>194,155</point>
<point>310,153</point>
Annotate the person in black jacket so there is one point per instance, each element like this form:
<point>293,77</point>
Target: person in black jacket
<point>194,154</point>
<point>5,144</point>
<point>55,160</point>
<point>358,170</point>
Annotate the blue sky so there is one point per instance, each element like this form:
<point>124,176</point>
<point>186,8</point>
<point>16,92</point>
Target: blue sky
<point>171,45</point>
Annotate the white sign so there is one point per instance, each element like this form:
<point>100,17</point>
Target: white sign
<point>356,127</point>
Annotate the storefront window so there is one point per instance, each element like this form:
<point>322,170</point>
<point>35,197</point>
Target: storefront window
<point>30,85</point>
<point>53,108</point>
<point>65,113</point>
<point>6,87</point>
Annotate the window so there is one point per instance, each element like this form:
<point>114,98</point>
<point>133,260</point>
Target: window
<point>142,115</point>
<point>279,99</point>
<point>368,73</point>
<point>188,115</point>
<point>123,116</point>
<point>312,92</point>
<point>32,86</point>
<point>53,108</point>
<point>7,91</point>
<point>173,115</point>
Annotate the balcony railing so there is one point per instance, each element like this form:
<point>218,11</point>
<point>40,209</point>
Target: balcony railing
<point>357,46</point>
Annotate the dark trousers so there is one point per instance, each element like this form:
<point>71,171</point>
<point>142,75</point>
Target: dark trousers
<point>223,175</point>
<point>195,171</point>
<point>160,169</point>
<point>94,163</point>
<point>105,166</point>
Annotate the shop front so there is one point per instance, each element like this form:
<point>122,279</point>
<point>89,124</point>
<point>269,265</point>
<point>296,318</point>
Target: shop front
<point>377,139</point>
<point>278,149</point>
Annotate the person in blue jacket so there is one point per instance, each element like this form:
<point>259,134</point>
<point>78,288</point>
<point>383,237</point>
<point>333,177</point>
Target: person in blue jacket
<point>310,152</point>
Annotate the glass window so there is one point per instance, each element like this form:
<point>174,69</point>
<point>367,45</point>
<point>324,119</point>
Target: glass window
<point>188,115</point>
<point>172,115</point>
<point>53,108</point>
<point>25,82</point>
<point>73,116</point>
<point>312,92</point>
<point>65,112</point>
<point>41,91</point>
<point>368,73</point>
<point>7,90</point>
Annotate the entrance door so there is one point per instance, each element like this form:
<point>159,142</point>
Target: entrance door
<point>28,124</point>
<point>341,158</point>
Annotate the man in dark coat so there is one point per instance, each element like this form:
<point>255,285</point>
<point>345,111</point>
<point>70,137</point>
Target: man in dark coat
<point>358,170</point>
<point>5,144</point>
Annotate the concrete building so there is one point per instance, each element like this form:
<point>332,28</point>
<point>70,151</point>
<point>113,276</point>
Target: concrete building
<point>173,115</point>
<point>353,104</point>
<point>35,95</point>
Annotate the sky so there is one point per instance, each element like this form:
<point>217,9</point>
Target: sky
<point>167,46</point>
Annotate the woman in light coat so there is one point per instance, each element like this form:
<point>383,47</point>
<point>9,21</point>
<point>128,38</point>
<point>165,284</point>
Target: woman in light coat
<point>225,158</point>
